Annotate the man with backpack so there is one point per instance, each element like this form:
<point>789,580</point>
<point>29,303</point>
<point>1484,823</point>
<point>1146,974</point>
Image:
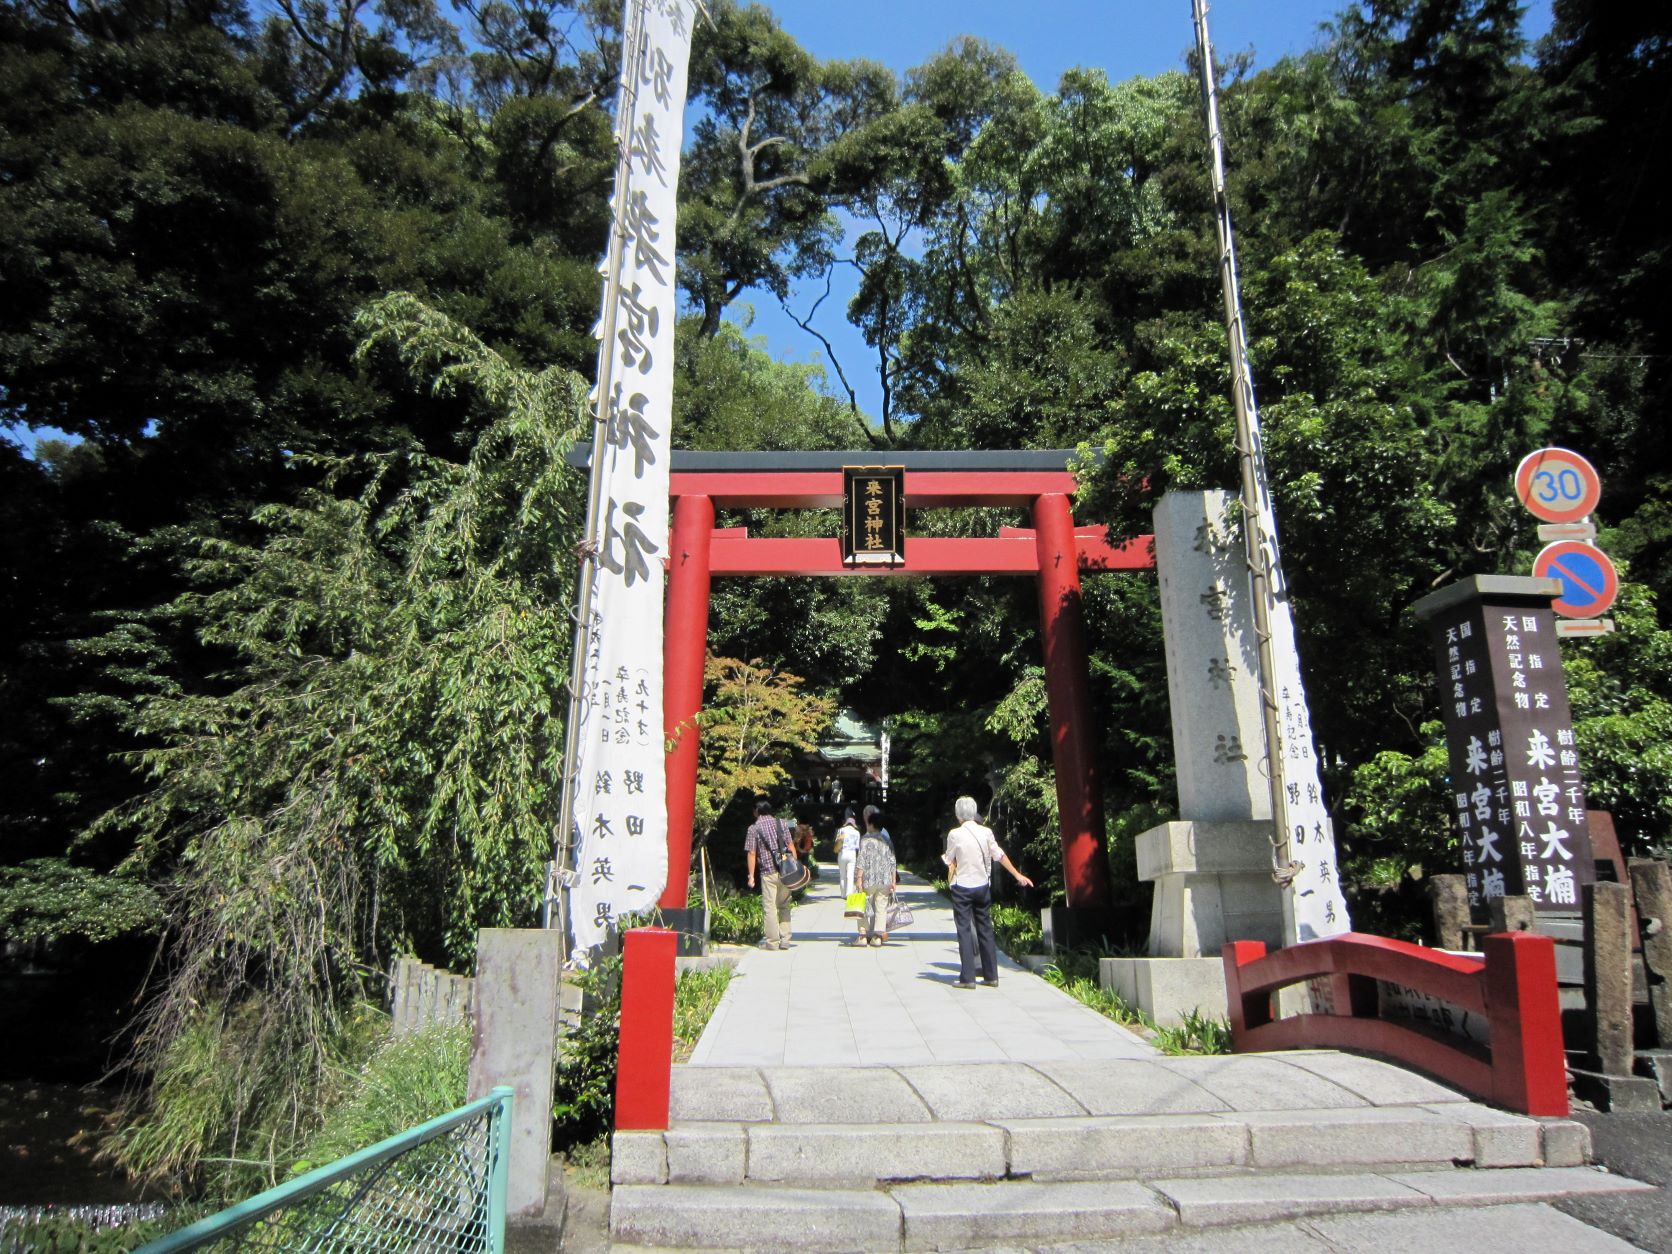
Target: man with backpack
<point>766,845</point>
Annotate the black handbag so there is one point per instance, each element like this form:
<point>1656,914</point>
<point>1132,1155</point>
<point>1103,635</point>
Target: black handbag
<point>793,873</point>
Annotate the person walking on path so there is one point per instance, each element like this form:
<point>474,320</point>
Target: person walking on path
<point>847,858</point>
<point>768,840</point>
<point>877,875</point>
<point>847,850</point>
<point>971,851</point>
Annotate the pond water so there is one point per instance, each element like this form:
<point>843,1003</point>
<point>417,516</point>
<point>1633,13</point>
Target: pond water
<point>48,1144</point>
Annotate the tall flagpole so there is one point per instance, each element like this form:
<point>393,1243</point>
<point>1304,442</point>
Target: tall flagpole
<point>1260,545</point>
<point>554,911</point>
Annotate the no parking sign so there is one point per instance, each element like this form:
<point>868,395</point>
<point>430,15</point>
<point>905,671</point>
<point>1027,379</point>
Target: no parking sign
<point>1589,581</point>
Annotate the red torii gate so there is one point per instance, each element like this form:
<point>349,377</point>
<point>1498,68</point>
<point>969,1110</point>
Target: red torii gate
<point>1053,549</point>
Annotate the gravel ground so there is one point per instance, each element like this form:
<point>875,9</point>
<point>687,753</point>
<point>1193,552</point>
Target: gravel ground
<point>1639,1146</point>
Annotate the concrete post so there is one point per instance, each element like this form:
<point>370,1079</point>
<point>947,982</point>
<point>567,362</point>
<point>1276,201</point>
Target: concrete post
<point>399,991</point>
<point>429,985</point>
<point>1510,914</point>
<point>1651,882</point>
<point>514,1041</point>
<point>1608,976</point>
<point>1449,898</point>
<point>1212,869</point>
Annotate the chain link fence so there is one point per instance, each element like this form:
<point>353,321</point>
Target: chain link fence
<point>437,1188</point>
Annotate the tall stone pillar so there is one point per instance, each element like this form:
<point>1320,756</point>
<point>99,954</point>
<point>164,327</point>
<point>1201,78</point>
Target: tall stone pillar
<point>1212,868</point>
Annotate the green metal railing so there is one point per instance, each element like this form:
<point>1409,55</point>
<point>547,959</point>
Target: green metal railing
<point>437,1187</point>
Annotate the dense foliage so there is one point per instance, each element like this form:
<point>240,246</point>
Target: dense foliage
<point>283,623</point>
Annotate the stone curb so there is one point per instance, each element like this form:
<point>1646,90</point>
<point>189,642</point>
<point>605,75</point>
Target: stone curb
<point>972,1215</point>
<point>954,1216</point>
<point>696,1217</point>
<point>1094,1147</point>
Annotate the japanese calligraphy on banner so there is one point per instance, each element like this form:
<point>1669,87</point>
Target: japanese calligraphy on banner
<point>619,793</point>
<point>1315,897</point>
<point>1516,789</point>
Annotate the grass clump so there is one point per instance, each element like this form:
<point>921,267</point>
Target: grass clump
<point>74,1234</point>
<point>1076,974</point>
<point>589,1162</point>
<point>1198,1034</point>
<point>228,1109</point>
<point>694,998</point>
<point>409,1080</point>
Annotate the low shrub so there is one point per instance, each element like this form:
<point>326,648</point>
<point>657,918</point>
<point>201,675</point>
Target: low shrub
<point>583,1095</point>
<point>72,1233</point>
<point>1017,930</point>
<point>694,998</point>
<point>734,918</point>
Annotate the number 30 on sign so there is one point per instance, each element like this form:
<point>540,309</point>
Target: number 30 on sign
<point>1557,485</point>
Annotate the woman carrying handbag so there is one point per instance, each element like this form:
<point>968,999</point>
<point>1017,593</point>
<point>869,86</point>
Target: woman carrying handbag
<point>877,875</point>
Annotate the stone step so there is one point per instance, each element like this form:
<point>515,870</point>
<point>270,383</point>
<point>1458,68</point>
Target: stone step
<point>1291,1080</point>
<point>1092,1147</point>
<point>971,1215</point>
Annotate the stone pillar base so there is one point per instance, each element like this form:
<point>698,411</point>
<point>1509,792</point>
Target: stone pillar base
<point>1067,927</point>
<point>691,925</point>
<point>1212,885</point>
<point>1167,989</point>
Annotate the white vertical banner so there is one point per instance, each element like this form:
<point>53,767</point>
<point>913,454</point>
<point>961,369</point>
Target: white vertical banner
<point>1315,895</point>
<point>620,823</point>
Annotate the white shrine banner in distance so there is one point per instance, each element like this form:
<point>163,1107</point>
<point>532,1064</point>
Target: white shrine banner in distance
<point>620,833</point>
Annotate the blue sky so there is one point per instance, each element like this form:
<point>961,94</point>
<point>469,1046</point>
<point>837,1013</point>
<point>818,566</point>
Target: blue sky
<point>1120,37</point>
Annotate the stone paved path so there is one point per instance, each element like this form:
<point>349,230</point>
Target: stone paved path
<point>820,1058</point>
<point>822,1003</point>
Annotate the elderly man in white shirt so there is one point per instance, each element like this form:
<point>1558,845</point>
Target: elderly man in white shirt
<point>970,854</point>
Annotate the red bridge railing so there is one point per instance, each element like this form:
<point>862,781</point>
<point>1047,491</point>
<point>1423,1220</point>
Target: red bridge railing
<point>1521,1066</point>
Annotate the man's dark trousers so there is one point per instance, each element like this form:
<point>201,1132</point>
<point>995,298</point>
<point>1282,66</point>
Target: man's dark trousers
<point>972,915</point>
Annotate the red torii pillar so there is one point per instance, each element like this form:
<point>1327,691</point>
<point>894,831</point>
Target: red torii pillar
<point>1085,863</point>
<point>684,650</point>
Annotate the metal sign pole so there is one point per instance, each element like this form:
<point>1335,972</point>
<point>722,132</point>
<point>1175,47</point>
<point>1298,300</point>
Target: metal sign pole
<point>1261,548</point>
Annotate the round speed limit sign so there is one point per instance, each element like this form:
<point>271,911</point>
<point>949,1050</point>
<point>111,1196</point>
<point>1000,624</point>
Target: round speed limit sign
<point>1557,485</point>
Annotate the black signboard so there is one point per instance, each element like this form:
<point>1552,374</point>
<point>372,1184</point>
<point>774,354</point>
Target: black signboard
<point>873,515</point>
<point>1515,790</point>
